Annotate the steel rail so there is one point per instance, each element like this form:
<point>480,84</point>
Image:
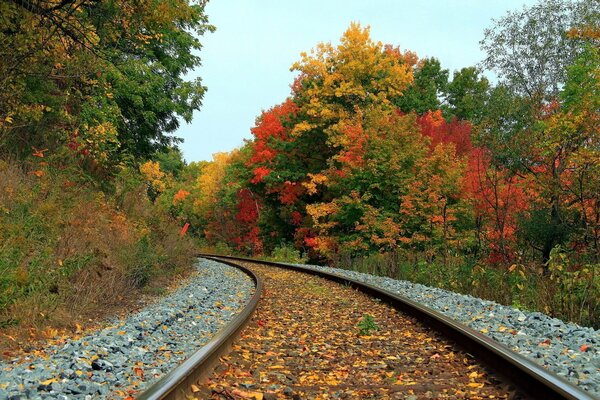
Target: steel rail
<point>528,376</point>
<point>177,383</point>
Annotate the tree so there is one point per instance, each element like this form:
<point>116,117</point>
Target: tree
<point>467,94</point>
<point>79,72</point>
<point>528,124</point>
<point>428,87</point>
<point>530,50</point>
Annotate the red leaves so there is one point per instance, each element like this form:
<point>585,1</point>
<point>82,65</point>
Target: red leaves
<point>289,192</point>
<point>499,197</point>
<point>248,212</point>
<point>296,218</point>
<point>247,207</point>
<point>434,126</point>
<point>268,129</point>
<point>259,174</point>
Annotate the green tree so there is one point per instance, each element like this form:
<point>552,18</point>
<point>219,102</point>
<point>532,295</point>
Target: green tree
<point>529,49</point>
<point>428,87</point>
<point>466,94</point>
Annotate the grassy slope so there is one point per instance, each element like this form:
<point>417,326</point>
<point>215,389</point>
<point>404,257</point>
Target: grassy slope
<point>70,254</point>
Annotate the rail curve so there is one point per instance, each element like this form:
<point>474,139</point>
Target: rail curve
<point>176,384</point>
<point>529,377</point>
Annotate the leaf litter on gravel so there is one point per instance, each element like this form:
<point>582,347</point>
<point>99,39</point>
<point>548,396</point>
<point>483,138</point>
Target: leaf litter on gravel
<point>304,342</point>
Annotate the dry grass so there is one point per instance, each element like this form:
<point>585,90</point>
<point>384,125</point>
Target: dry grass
<point>70,255</point>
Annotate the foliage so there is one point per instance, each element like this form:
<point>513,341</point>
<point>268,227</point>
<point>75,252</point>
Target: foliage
<point>286,253</point>
<point>70,251</point>
<point>530,49</point>
<point>101,79</point>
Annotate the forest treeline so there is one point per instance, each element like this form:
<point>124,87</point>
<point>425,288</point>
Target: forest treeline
<point>378,160</point>
<point>381,156</point>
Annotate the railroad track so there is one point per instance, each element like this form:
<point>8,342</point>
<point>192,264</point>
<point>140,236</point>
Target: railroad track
<point>493,370</point>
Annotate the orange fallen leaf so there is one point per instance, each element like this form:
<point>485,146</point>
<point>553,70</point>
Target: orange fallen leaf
<point>138,372</point>
<point>584,348</point>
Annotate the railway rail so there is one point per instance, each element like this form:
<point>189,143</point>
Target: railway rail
<point>529,379</point>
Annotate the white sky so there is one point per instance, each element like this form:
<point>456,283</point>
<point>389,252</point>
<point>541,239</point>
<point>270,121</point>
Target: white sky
<point>246,61</point>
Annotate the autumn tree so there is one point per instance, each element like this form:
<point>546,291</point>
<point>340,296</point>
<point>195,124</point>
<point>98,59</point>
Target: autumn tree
<point>531,51</point>
<point>102,79</point>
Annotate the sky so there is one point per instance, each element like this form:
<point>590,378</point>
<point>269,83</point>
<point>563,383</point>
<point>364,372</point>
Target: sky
<point>246,61</point>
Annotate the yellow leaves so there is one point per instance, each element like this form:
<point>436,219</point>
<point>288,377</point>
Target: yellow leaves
<point>319,210</point>
<point>357,71</point>
<point>476,385</point>
<point>247,395</point>
<point>314,180</point>
<point>302,127</point>
<point>151,171</point>
<point>48,382</point>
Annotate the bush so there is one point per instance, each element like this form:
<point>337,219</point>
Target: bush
<point>287,253</point>
<point>69,251</point>
<point>570,292</point>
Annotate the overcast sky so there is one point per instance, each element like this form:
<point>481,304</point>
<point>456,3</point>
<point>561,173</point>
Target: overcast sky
<point>246,62</point>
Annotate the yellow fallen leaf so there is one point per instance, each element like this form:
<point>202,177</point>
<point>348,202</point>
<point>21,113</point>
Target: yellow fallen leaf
<point>475,385</point>
<point>195,389</point>
<point>49,382</point>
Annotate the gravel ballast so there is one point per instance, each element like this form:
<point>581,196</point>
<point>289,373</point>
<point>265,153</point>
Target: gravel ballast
<point>548,341</point>
<point>128,355</point>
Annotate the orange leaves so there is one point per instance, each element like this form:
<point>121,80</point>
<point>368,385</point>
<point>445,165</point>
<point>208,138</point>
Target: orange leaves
<point>38,153</point>
<point>584,348</point>
<point>138,372</point>
<point>180,196</point>
<point>352,142</point>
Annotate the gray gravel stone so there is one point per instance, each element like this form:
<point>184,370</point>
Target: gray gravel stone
<point>548,341</point>
<point>140,348</point>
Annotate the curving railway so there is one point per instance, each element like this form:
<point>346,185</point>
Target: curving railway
<point>275,348</point>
